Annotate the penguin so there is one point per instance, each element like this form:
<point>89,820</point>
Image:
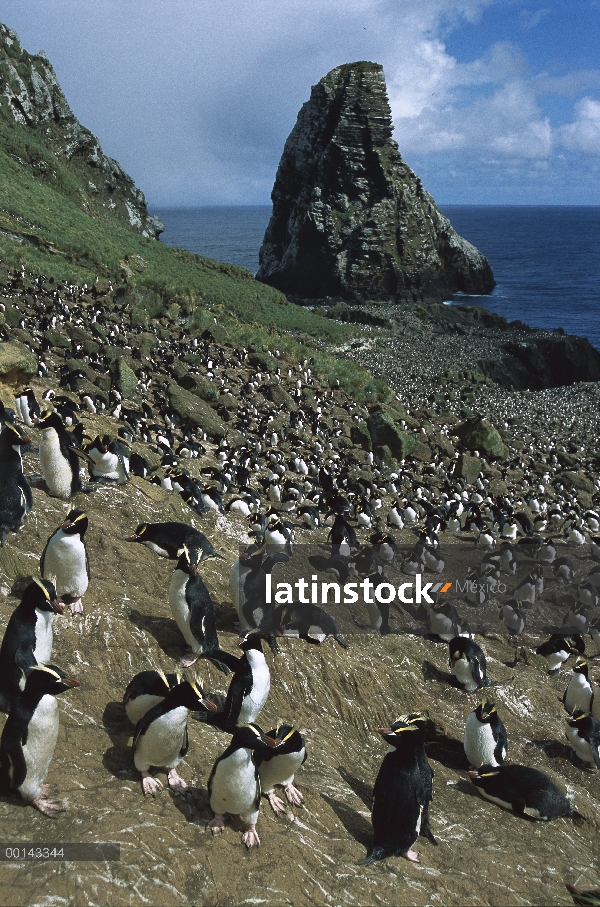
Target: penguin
<point>578,694</point>
<point>59,462</point>
<point>29,737</point>
<point>146,690</point>
<point>399,795</point>
<point>467,664</point>
<point>526,791</point>
<point>278,535</point>
<point>110,460</point>
<point>248,588</point>
<point>558,649</point>
<point>65,560</point>
<point>443,621</point>
<point>168,539</point>
<point>309,622</point>
<point>16,499</point>
<point>513,617</point>
<point>379,611</point>
<point>595,634</point>
<point>27,407</point>
<point>583,733</point>
<point>248,688</point>
<point>278,767</point>
<point>161,737</point>
<point>564,571</point>
<point>28,637</point>
<point>486,742</point>
<point>234,782</point>
<point>192,607</point>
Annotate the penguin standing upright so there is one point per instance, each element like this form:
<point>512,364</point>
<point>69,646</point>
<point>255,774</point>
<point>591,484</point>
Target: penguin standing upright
<point>192,607</point>
<point>16,499</point>
<point>234,783</point>
<point>248,587</point>
<point>59,463</point>
<point>161,737</point>
<point>279,766</point>
<point>524,790</point>
<point>399,795</point>
<point>467,664</point>
<point>27,407</point>
<point>28,638</point>
<point>583,733</point>
<point>65,560</point>
<point>29,737</point>
<point>248,688</point>
<point>146,690</point>
<point>578,694</point>
<point>486,742</point>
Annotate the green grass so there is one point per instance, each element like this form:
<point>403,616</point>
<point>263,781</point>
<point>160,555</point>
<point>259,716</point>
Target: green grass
<point>66,232</point>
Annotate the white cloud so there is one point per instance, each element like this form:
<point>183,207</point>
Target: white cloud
<point>583,132</point>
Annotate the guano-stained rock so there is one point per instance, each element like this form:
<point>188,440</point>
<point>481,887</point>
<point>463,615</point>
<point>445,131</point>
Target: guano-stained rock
<point>350,218</point>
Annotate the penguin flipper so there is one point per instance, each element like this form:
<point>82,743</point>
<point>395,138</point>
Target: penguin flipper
<point>501,746</point>
<point>342,642</point>
<point>12,756</point>
<point>81,454</point>
<point>377,853</point>
<point>26,489</point>
<point>225,658</point>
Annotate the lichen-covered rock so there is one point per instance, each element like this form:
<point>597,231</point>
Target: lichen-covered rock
<point>479,434</point>
<point>35,101</point>
<point>17,363</point>
<point>359,434</point>
<point>469,468</point>
<point>385,432</point>
<point>124,378</point>
<point>199,414</point>
<point>350,218</point>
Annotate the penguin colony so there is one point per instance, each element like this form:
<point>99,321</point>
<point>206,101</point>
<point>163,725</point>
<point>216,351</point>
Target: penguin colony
<point>289,466</point>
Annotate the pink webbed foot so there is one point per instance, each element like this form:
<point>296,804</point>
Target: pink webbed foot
<point>50,808</point>
<point>250,838</point>
<point>76,606</point>
<point>150,785</point>
<point>187,660</point>
<point>276,803</point>
<point>293,795</point>
<point>411,855</point>
<point>175,782</point>
<point>217,825</point>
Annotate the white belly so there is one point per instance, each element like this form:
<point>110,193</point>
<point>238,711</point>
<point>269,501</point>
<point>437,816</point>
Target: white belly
<point>65,560</point>
<point>55,468</point>
<point>234,787</point>
<point>180,608</point>
<point>254,702</point>
<point>462,672</point>
<point>137,708</point>
<point>43,638</point>
<point>280,770</point>
<point>39,749</point>
<point>578,695</point>
<point>479,742</point>
<point>161,744</point>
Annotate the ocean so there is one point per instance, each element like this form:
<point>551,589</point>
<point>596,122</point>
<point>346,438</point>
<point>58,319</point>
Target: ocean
<point>545,259</point>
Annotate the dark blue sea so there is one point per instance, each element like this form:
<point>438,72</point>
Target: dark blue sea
<point>546,260</point>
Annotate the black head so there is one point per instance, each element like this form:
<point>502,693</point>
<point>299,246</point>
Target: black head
<point>76,523</point>
<point>51,419</point>
<point>45,680</point>
<point>252,737</point>
<point>250,641</point>
<point>13,435</point>
<point>41,594</point>
<point>404,733</point>
<point>188,562</point>
<point>139,534</point>
<point>485,711</point>
<point>485,775</point>
<point>575,643</point>
<point>579,719</point>
<point>190,694</point>
<point>581,667</point>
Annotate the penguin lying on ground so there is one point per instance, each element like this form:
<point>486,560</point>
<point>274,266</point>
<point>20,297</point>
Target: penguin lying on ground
<point>486,742</point>
<point>309,622</point>
<point>192,607</point>
<point>234,783</point>
<point>146,690</point>
<point>524,790</point>
<point>248,688</point>
<point>109,460</point>
<point>28,638</point>
<point>65,560</point>
<point>400,795</point>
<point>278,767</point>
<point>467,664</point>
<point>558,649</point>
<point>161,737</point>
<point>16,499</point>
<point>59,462</point>
<point>29,737</point>
<point>168,539</point>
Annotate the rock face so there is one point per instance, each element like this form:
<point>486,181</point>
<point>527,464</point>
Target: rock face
<point>350,218</point>
<point>31,97</point>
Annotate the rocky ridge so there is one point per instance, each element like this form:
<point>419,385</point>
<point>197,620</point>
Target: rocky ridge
<point>31,98</point>
<point>350,218</point>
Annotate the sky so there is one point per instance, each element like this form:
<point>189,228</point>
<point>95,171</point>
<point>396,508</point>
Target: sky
<point>494,101</point>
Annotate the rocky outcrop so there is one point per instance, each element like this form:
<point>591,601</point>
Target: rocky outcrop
<point>350,218</point>
<point>31,97</point>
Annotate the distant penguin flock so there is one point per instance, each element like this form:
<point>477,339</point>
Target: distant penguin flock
<point>287,469</point>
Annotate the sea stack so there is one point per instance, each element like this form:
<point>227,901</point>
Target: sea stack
<point>350,218</point>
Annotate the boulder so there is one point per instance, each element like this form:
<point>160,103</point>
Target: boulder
<point>17,363</point>
<point>469,468</point>
<point>124,378</point>
<point>199,414</point>
<point>385,432</point>
<point>479,434</point>
<point>350,218</point>
<point>280,397</point>
<point>360,435</point>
